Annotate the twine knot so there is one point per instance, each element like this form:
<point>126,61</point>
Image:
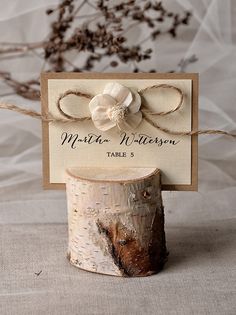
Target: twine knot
<point>118,113</point>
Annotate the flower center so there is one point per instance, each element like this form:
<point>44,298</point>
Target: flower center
<point>118,113</point>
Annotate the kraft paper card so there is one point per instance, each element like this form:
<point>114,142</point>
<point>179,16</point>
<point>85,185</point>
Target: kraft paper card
<point>113,119</point>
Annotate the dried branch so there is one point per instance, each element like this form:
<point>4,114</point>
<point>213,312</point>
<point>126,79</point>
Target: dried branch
<point>100,34</point>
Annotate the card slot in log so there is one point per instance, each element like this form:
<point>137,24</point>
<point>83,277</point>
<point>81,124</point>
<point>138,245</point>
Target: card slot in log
<point>116,220</point>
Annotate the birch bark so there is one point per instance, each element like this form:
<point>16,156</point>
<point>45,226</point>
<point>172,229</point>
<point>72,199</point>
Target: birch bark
<point>116,220</point>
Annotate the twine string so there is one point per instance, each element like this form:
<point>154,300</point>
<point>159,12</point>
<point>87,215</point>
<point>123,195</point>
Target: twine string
<point>76,93</point>
<point>147,113</point>
<point>24,111</point>
<point>162,86</point>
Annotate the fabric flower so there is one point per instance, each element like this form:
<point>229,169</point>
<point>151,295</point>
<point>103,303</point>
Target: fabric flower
<point>116,106</point>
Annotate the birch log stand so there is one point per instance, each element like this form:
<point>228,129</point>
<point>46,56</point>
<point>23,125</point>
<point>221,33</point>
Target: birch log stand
<point>116,220</point>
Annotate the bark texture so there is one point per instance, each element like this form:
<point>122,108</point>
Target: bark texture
<point>116,221</point>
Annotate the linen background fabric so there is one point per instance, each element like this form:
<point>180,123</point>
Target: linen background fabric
<point>200,275</point>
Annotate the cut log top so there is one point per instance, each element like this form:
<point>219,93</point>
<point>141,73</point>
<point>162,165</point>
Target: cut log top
<point>95,174</point>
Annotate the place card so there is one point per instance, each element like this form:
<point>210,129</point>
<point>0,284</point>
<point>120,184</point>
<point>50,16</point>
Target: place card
<point>116,120</point>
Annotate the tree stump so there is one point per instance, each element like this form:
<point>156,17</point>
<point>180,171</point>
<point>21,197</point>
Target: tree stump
<point>116,220</point>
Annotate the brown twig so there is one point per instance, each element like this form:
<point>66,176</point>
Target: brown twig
<point>38,273</point>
